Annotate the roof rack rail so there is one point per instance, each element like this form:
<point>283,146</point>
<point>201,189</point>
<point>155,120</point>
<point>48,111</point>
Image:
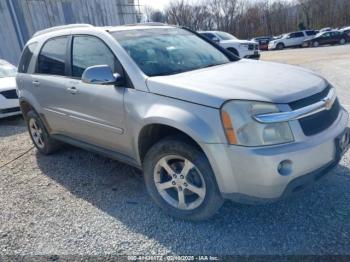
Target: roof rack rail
<point>147,23</point>
<point>56,28</point>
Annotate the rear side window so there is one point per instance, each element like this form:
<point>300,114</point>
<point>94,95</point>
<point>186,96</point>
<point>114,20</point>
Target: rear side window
<point>311,32</point>
<point>296,34</point>
<point>52,57</point>
<point>26,58</point>
<point>208,35</point>
<point>90,51</point>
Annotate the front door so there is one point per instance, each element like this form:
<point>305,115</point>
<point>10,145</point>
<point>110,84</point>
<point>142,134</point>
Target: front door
<point>96,111</point>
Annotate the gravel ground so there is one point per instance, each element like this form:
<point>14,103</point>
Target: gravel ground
<point>76,202</point>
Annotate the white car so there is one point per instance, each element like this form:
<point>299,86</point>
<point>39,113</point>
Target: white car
<point>291,39</point>
<point>9,104</point>
<point>241,48</point>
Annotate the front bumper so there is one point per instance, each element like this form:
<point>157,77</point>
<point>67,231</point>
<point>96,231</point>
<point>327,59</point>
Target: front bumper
<point>254,56</point>
<point>249,54</point>
<point>9,107</point>
<point>252,172</point>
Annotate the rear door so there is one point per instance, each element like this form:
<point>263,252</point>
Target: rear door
<point>96,111</point>
<point>49,82</point>
<point>296,39</point>
<point>326,38</point>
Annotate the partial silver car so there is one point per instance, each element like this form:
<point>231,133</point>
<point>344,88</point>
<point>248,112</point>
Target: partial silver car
<point>9,105</point>
<point>203,125</point>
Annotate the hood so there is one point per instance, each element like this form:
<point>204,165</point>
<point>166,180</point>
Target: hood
<point>244,79</point>
<point>7,83</point>
<point>237,41</point>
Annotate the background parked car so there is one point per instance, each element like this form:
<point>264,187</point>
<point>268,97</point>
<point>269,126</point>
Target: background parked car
<point>263,42</point>
<point>241,48</point>
<point>346,32</point>
<point>326,38</point>
<point>9,105</point>
<point>326,29</point>
<point>291,40</point>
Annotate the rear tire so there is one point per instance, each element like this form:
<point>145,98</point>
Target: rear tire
<point>342,41</point>
<point>39,135</point>
<point>316,44</point>
<point>180,180</point>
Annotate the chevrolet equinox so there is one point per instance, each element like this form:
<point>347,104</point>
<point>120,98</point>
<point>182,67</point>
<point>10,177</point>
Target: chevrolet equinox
<point>202,124</point>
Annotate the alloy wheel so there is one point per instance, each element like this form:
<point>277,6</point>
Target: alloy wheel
<point>179,182</point>
<point>37,133</point>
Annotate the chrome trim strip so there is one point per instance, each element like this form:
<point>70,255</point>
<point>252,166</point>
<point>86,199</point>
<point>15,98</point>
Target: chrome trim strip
<point>325,104</point>
<point>54,111</point>
<point>112,128</point>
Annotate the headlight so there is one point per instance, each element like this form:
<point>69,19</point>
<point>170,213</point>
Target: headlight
<point>241,128</point>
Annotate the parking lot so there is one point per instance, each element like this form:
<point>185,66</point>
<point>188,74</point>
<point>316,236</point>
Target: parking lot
<point>76,202</point>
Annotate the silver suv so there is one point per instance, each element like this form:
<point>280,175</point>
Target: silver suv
<point>202,124</point>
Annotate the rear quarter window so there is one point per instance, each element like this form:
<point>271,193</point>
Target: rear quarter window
<point>26,57</point>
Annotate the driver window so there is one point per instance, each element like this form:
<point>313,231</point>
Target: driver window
<point>90,51</point>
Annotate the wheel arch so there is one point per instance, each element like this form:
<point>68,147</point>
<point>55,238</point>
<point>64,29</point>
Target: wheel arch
<point>152,133</point>
<point>233,50</point>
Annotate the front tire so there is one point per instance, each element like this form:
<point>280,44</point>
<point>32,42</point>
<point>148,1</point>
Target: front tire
<point>39,135</point>
<point>180,180</point>
<point>280,46</point>
<point>316,44</point>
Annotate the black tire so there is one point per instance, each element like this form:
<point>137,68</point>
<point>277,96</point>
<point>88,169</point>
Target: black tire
<point>234,51</point>
<point>315,44</point>
<point>342,41</point>
<point>280,46</point>
<point>49,145</point>
<point>212,201</point>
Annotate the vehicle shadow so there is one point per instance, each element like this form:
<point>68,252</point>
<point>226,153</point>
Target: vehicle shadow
<point>313,222</point>
<point>13,125</point>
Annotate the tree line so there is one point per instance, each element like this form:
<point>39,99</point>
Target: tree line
<point>247,18</point>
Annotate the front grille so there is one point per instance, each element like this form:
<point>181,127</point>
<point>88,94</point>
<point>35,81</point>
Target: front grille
<point>10,110</point>
<point>316,123</point>
<point>9,94</point>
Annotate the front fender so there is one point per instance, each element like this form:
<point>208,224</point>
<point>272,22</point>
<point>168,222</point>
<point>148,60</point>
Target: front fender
<point>201,123</point>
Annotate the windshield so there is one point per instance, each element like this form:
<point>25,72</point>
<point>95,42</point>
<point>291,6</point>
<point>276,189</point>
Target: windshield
<point>226,36</point>
<point>7,71</point>
<point>166,51</point>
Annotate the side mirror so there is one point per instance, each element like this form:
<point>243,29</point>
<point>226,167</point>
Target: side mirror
<point>101,75</point>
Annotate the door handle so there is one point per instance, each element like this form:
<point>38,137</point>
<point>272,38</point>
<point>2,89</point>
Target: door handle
<point>73,90</point>
<point>36,83</point>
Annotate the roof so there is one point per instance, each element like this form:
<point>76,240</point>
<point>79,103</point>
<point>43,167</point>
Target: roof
<point>107,28</point>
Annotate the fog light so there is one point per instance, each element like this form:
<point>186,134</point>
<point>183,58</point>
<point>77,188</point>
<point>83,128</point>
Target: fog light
<point>285,168</point>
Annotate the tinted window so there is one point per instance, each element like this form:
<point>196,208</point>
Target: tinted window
<point>168,51</point>
<point>52,57</point>
<point>226,36</point>
<point>208,35</point>
<point>311,32</point>
<point>90,51</point>
<point>26,58</point>
<point>297,34</point>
